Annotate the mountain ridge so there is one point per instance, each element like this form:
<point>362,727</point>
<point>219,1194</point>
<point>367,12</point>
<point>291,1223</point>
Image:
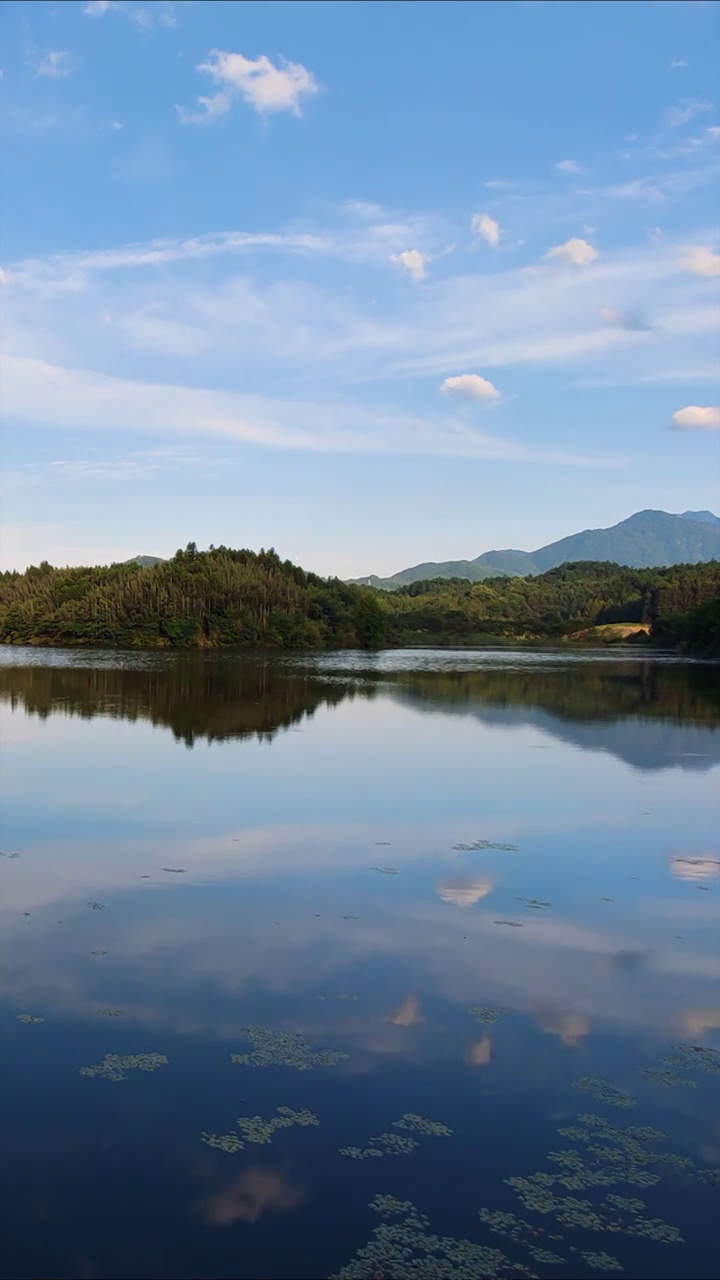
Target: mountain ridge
<point>646,539</point>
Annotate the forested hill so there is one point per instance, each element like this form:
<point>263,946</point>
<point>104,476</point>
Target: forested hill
<point>222,598</point>
<point>198,599</point>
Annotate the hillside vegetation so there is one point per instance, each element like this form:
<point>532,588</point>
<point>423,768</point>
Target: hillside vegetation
<point>223,598</point>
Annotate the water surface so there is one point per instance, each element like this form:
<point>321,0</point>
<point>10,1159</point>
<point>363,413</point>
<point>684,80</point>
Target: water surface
<point>463,883</point>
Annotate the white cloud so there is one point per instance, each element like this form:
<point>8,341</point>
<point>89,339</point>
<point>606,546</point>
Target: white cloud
<point>155,13</point>
<point>701,260</point>
<point>576,252</point>
<point>677,62</point>
<point>470,386</point>
<point>685,111</point>
<point>630,321</point>
<point>465,892</point>
<point>262,85</point>
<point>483,225</point>
<point>697,418</point>
<point>568,166</point>
<point>413,261</point>
<point>58,64</point>
<point>713,132</point>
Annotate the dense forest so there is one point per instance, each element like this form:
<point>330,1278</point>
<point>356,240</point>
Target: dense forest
<point>224,598</point>
<point>198,599</point>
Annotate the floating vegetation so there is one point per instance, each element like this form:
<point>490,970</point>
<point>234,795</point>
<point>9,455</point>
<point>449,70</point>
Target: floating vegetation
<point>534,902</point>
<point>29,1017</point>
<point>98,953</point>
<point>604,1092</point>
<point>510,1226</point>
<point>96,906</point>
<point>255,1129</point>
<point>176,871</point>
<point>607,900</point>
<point>488,1014</point>
<point>547,1257</point>
<point>485,844</point>
<point>693,1055</point>
<point>419,1124</point>
<point>391,1144</point>
<point>9,856</point>
<point>349,917</point>
<point>385,871</point>
<point>406,1248</point>
<point>669,1079</point>
<point>383,843</point>
<point>283,1049</point>
<point>601,1261</point>
<point>511,924</point>
<point>115,1065</point>
<point>342,995</point>
<point>110,1013</point>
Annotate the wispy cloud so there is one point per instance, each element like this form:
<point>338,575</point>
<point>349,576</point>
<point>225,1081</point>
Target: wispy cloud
<point>677,63</point>
<point>265,87</point>
<point>685,111</point>
<point>36,392</point>
<point>568,166</point>
<point>58,64</point>
<point>154,13</point>
<point>630,321</point>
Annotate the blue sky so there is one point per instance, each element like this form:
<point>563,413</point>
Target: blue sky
<point>372,283</point>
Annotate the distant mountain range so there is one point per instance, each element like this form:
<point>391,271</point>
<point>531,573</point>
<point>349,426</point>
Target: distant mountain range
<point>647,539</point>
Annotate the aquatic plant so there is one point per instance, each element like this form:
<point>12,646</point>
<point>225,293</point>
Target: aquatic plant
<point>98,953</point>
<point>546,1256</point>
<point>669,1079</point>
<point>405,1247</point>
<point>10,856</point>
<point>601,1261</point>
<point>487,1013</point>
<point>604,1091</point>
<point>385,871</point>
<point>255,1129</point>
<point>176,871</point>
<point>96,906</point>
<point>29,1017</point>
<point>511,924</point>
<point>110,1013</point>
<point>114,1065</point>
<point>692,1056</point>
<point>419,1124</point>
<point>534,902</point>
<point>342,995</point>
<point>283,1049</point>
<point>485,844</point>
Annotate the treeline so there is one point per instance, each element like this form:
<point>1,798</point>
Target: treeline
<point>198,599</point>
<point>696,632</point>
<point>224,598</point>
<point>549,606</point>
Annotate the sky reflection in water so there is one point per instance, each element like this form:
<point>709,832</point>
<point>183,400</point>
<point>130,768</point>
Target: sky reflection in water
<point>230,819</point>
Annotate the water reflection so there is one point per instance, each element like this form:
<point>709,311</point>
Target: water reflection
<point>246,925</point>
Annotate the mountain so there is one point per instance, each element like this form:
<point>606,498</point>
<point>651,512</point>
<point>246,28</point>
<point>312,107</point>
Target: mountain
<point>704,517</point>
<point>647,539</point>
<point>145,562</point>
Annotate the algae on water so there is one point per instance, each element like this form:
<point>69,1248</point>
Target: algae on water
<point>255,1129</point>
<point>283,1049</point>
<point>115,1065</point>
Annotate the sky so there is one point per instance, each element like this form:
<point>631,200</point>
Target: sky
<point>372,283</point>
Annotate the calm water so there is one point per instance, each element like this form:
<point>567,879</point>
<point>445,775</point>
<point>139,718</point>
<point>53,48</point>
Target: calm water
<point>195,846</point>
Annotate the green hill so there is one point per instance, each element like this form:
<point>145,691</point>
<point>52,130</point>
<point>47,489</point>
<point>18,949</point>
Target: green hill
<point>647,539</point>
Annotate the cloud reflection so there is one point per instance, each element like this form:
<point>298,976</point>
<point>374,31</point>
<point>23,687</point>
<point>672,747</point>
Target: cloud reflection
<point>247,1197</point>
<point>465,892</point>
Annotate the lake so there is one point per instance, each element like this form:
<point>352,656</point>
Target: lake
<point>362,965</point>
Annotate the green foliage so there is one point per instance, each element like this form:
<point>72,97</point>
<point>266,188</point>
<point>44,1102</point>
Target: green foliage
<point>695,631</point>
<point>550,606</point>
<point>196,600</point>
